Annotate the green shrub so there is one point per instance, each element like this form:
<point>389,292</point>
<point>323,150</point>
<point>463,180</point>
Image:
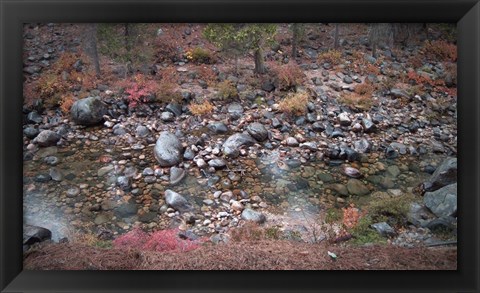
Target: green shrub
<point>362,233</point>
<point>392,210</point>
<point>226,90</point>
<point>200,55</point>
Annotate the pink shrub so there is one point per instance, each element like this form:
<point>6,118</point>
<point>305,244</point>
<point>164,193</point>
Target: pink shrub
<point>163,240</point>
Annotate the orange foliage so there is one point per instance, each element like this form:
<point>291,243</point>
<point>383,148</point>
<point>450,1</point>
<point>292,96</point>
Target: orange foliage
<point>287,75</point>
<point>440,50</point>
<point>351,216</point>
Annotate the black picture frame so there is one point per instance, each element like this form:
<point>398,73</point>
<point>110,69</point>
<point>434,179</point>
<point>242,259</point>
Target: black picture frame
<point>465,13</point>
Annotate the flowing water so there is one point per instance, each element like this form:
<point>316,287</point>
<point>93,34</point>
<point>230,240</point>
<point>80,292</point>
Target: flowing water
<point>84,199</point>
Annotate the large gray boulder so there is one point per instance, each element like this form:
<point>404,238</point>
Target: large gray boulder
<point>442,202</point>
<point>177,201</point>
<point>168,149</point>
<point>232,145</point>
<point>88,111</point>
<point>444,175</point>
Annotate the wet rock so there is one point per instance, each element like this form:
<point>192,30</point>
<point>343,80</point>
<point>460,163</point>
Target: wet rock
<point>362,146</point>
<point>148,172</point>
<point>119,129</point>
<point>142,131</point>
<point>188,154</point>
<point>34,117</point>
<point>351,172</point>
<point>126,210</point>
<point>147,217</point>
<point>276,123</point>
<point>418,215</point>
<point>88,111</point>
<point>101,219</point>
<point>51,160</point>
<point>42,178</point>
<point>167,116</point>
<point>442,202</point>
<point>399,147</point>
<point>339,188</point>
<point>344,120</point>
<point>177,201</point>
<point>176,175</point>
<point>442,224</point>
<point>174,108</point>
<point>318,126</point>
<point>31,132</point>
<point>293,163</point>
<point>391,153</point>
<point>168,150</point>
<point>217,163</point>
<point>309,145</point>
<point>337,132</point>
<point>398,93</point>
<point>218,127</point>
<point>56,174</point>
<point>251,215</point>
<point>384,229</point>
<point>445,174</point>
<point>393,171</point>
<point>292,141</point>
<point>73,191</point>
<point>33,234</point>
<point>235,110</point>
<point>231,147</point>
<point>257,131</point>
<point>325,177</point>
<point>356,187</point>
<point>47,138</point>
<point>104,170</point>
<point>32,69</point>
<point>368,125</point>
<point>123,182</point>
<point>150,179</point>
<point>267,86</point>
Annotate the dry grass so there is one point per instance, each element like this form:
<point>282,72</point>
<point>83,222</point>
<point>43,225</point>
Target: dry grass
<point>361,99</point>
<point>287,75</point>
<point>253,255</point>
<point>295,103</point>
<point>201,109</point>
<point>333,57</point>
<point>226,90</point>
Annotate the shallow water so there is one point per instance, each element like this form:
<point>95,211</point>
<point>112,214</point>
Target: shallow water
<point>298,190</point>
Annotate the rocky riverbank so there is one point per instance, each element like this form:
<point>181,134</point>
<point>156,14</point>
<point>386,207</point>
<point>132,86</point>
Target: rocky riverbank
<point>105,168</point>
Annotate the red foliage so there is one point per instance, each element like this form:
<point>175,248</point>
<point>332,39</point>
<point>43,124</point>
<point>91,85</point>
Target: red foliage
<point>162,240</point>
<point>440,51</point>
<point>138,89</point>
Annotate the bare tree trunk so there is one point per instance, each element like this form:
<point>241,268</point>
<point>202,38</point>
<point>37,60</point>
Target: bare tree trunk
<point>91,46</point>
<point>425,27</point>
<point>295,30</point>
<point>336,41</point>
<point>374,50</point>
<point>259,63</point>
<point>127,40</point>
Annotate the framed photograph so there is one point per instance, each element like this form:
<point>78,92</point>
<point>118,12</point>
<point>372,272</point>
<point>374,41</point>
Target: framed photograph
<point>239,146</point>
